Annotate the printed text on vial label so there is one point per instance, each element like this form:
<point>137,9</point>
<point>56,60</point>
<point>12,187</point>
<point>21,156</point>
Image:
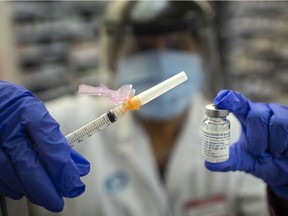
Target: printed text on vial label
<point>216,144</point>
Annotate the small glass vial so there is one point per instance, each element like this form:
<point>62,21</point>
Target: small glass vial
<point>216,134</point>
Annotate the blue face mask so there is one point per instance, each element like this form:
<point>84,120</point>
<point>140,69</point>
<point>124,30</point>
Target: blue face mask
<point>150,68</point>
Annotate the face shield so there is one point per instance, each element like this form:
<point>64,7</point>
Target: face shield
<point>191,32</point>
<point>136,44</point>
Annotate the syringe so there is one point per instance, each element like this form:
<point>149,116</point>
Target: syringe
<point>133,103</point>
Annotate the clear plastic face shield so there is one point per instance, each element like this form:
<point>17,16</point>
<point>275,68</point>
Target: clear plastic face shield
<point>123,41</point>
<point>179,41</point>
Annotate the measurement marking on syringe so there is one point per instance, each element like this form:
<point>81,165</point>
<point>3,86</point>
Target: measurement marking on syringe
<point>78,138</point>
<point>89,129</point>
<point>94,127</point>
<point>72,139</point>
<point>87,133</point>
<point>82,133</point>
<point>98,125</point>
<point>107,121</point>
<point>79,134</point>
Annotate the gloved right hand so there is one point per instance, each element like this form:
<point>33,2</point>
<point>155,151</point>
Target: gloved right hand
<point>262,149</point>
<point>35,158</point>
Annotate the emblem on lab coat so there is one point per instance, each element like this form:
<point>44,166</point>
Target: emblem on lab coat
<point>210,206</point>
<point>116,182</point>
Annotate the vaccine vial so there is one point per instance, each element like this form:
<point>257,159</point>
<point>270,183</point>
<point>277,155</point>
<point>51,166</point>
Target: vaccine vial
<point>216,134</point>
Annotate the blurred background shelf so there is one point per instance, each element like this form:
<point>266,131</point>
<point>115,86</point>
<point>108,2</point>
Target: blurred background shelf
<point>254,45</point>
<point>55,45</point>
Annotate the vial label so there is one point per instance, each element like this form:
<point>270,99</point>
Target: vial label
<point>215,145</point>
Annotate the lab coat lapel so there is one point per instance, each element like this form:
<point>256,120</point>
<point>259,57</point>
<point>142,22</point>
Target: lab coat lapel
<point>134,144</point>
<point>186,153</point>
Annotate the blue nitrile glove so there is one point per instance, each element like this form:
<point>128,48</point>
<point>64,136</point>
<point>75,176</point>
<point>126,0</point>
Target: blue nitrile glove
<point>262,149</point>
<point>35,159</point>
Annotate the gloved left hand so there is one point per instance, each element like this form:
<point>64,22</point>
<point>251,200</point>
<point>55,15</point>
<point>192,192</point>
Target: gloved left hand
<point>262,149</point>
<point>35,158</point>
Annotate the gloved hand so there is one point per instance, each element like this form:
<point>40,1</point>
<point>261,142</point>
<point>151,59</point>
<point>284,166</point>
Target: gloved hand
<point>262,149</point>
<point>35,159</point>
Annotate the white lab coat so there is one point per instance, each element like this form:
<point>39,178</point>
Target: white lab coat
<point>124,179</point>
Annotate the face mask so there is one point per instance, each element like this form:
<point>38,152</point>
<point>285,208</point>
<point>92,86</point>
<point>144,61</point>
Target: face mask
<point>148,69</point>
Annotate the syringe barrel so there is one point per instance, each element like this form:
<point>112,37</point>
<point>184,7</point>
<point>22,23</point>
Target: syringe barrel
<point>96,125</point>
<point>89,129</point>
